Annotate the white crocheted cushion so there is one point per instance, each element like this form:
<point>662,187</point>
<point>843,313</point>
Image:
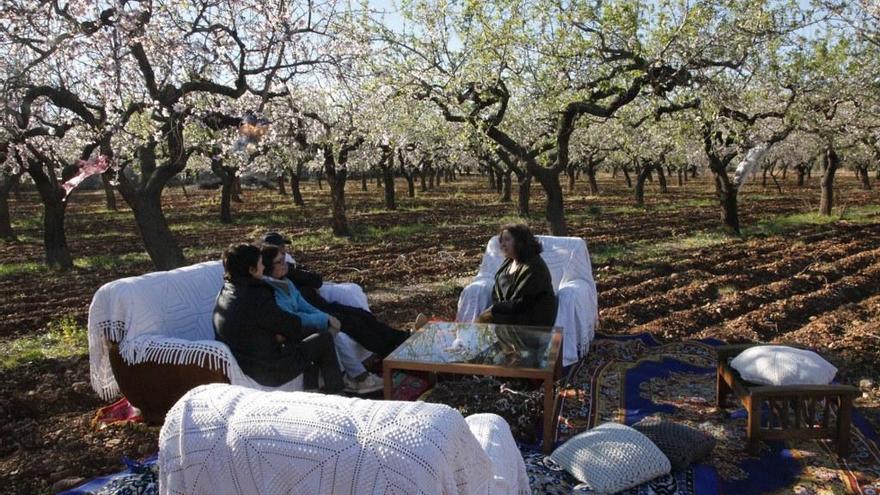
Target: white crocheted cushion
<point>611,457</point>
<point>782,365</point>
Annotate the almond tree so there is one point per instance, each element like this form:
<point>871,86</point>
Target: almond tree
<point>581,59</point>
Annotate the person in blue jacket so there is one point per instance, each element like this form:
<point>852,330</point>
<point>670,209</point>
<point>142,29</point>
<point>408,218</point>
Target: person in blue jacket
<point>357,379</point>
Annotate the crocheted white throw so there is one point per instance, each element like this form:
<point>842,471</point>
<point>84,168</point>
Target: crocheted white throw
<point>166,317</point>
<point>221,439</point>
<point>569,262</point>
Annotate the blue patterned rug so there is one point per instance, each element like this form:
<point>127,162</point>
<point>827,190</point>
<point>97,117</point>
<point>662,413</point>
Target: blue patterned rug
<point>626,378</point>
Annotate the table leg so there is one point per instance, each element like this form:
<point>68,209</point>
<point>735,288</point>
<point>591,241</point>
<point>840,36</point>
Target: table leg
<point>549,416</point>
<point>386,377</point>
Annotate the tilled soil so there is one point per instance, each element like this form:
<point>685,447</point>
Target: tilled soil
<point>816,285</point>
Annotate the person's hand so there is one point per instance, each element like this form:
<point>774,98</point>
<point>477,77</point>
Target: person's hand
<point>485,316</point>
<point>333,325</point>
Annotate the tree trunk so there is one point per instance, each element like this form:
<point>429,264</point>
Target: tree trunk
<point>54,237</point>
<point>282,189</point>
<point>336,180</point>
<point>570,173</point>
<point>236,190</point>
<point>109,195</point>
<point>693,171</point>
<point>524,195</point>
<point>294,185</point>
<point>863,177</point>
<point>506,186</point>
<point>639,191</point>
<point>491,177</point>
<point>431,174</point>
<point>499,181</point>
<point>764,177</point>
<point>364,182</point>
<point>320,176</point>
<point>6,231</point>
<point>555,213</point>
<point>729,213</point>
<point>423,181</point>
<point>661,179</point>
<point>337,196</point>
<point>826,202</point>
<point>680,177</point>
<point>158,238</point>
<point>226,200</point>
<point>388,179</point>
<point>801,172</point>
<point>227,181</point>
<point>591,180</point>
<point>626,176</point>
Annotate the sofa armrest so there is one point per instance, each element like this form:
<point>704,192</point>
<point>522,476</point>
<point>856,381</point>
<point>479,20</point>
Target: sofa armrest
<point>508,468</point>
<point>349,294</point>
<point>475,298</point>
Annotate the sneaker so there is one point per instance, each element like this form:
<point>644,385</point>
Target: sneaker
<point>372,383</point>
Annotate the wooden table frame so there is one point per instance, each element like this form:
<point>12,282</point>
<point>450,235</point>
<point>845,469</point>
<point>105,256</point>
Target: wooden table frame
<point>802,402</point>
<point>547,376</point>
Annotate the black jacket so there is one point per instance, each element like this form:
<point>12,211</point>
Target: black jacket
<point>526,296</point>
<point>246,318</point>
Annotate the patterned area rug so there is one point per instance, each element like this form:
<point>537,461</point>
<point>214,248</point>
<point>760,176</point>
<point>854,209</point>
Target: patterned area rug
<point>626,378</point>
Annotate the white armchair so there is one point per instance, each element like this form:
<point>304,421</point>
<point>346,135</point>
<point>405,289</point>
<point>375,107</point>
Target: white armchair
<point>569,262</point>
<point>152,337</point>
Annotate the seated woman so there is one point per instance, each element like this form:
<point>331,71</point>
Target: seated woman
<point>359,324</point>
<point>357,379</point>
<point>523,292</point>
<point>247,319</point>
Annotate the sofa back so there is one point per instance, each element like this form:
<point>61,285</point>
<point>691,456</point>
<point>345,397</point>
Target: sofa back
<point>177,303</point>
<point>566,257</point>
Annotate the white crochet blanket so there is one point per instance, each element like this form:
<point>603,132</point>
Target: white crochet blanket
<point>221,439</point>
<point>569,262</point>
<point>166,317</point>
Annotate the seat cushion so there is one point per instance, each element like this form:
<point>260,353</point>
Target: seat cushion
<point>680,443</point>
<point>611,457</point>
<point>782,365</point>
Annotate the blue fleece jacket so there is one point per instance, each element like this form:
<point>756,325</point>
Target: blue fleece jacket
<point>289,299</point>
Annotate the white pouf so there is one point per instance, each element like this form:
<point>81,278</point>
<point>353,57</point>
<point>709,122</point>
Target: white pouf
<point>782,365</point>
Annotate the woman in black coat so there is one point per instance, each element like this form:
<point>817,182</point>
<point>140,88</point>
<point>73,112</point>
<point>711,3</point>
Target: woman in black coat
<point>249,321</point>
<point>523,292</point>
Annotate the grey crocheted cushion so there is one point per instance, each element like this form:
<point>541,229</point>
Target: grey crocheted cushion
<point>682,444</point>
<point>611,457</point>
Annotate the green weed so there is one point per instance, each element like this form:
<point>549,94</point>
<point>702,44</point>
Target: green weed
<point>63,338</point>
<point>17,269</point>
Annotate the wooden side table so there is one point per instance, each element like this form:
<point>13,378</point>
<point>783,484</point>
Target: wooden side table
<point>791,412</point>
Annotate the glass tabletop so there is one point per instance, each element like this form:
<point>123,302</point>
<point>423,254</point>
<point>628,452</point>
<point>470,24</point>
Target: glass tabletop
<point>510,346</point>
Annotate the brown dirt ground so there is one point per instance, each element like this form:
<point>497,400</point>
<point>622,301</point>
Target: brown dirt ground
<point>817,285</point>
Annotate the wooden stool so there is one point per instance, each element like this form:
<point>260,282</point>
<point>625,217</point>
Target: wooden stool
<point>795,411</point>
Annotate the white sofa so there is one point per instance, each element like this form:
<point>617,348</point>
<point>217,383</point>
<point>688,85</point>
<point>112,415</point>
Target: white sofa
<point>569,262</point>
<point>152,336</point>
<point>221,439</point>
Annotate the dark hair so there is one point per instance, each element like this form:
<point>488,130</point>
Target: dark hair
<point>238,259</point>
<point>525,244</point>
<point>269,252</point>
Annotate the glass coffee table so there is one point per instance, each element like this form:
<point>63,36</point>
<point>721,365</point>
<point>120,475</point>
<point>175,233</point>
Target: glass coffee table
<point>485,349</point>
